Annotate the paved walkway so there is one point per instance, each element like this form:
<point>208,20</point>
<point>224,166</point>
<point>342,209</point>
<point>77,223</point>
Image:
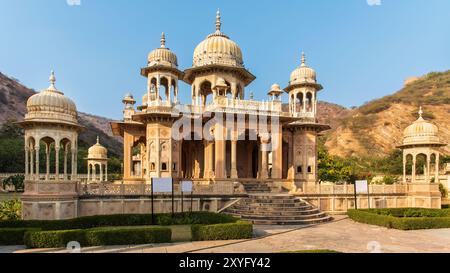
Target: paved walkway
<point>342,235</point>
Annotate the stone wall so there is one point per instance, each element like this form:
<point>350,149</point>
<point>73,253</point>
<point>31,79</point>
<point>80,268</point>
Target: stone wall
<point>106,206</point>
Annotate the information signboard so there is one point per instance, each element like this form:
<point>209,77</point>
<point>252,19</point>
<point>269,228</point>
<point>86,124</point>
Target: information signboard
<point>361,187</point>
<point>162,185</point>
<point>186,186</point>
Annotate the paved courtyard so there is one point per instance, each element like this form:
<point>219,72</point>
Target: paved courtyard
<point>342,235</point>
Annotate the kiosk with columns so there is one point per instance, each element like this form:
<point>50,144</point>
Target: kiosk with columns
<point>97,163</point>
<point>51,131</point>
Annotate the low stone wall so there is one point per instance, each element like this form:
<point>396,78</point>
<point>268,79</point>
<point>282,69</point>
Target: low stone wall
<point>88,206</point>
<point>340,198</point>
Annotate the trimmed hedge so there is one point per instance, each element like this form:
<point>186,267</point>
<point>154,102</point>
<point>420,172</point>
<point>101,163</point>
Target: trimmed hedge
<point>230,231</point>
<point>412,212</point>
<point>122,220</point>
<point>98,237</point>
<point>395,218</point>
<point>128,236</point>
<point>13,236</point>
<point>54,239</point>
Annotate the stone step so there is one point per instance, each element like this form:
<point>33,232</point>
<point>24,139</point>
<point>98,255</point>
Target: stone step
<point>271,197</point>
<point>272,213</point>
<point>293,222</point>
<point>278,205</point>
<point>266,208</point>
<point>253,216</point>
<point>273,208</point>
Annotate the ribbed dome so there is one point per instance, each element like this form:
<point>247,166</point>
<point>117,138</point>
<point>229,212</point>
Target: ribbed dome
<point>217,48</point>
<point>162,56</point>
<point>51,104</point>
<point>421,132</point>
<point>97,151</point>
<point>303,74</point>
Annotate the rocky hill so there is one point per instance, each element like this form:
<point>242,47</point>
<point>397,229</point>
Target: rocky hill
<point>13,98</point>
<point>375,128</point>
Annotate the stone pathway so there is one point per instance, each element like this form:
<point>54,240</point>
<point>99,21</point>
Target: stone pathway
<point>342,235</point>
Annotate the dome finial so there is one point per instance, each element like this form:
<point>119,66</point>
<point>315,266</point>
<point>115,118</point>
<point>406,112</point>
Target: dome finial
<point>52,80</point>
<point>218,23</point>
<point>303,59</point>
<point>163,40</point>
<point>420,112</point>
<point>98,140</point>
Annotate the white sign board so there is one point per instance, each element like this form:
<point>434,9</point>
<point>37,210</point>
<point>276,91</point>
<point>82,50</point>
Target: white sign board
<point>361,186</point>
<point>186,186</point>
<point>162,185</point>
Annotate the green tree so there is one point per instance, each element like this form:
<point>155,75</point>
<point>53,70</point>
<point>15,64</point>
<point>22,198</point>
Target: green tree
<point>10,210</point>
<point>332,169</point>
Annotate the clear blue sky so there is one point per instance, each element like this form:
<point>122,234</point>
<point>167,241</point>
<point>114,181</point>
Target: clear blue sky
<point>360,52</point>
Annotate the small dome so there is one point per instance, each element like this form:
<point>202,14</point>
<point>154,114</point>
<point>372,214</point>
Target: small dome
<point>303,73</point>
<point>97,151</point>
<point>51,104</point>
<point>275,90</point>
<point>221,82</point>
<point>421,132</point>
<point>219,49</point>
<point>275,87</point>
<point>162,56</point>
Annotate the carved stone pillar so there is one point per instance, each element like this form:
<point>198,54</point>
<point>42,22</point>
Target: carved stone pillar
<point>27,165</point>
<point>37,162</point>
<point>264,156</point>
<point>57,163</point>
<point>47,162</point>
<point>234,173</point>
<point>436,180</point>
<point>277,153</point>
<point>220,151</point>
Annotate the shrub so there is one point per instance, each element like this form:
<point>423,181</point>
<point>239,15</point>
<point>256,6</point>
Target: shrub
<point>54,239</point>
<point>128,236</point>
<point>390,180</point>
<point>97,237</point>
<point>404,219</point>
<point>10,210</point>
<point>122,220</point>
<point>13,236</point>
<point>443,190</point>
<point>17,181</point>
<point>230,231</point>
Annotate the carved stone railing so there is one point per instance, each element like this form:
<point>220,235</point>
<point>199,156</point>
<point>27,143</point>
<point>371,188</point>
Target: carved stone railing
<point>345,189</point>
<point>199,188</point>
<point>51,188</point>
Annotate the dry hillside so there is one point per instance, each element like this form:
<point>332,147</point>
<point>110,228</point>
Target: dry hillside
<point>375,128</point>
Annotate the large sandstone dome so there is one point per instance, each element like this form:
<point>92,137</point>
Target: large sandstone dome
<point>162,56</point>
<point>303,74</point>
<point>219,49</point>
<point>421,132</point>
<point>51,105</point>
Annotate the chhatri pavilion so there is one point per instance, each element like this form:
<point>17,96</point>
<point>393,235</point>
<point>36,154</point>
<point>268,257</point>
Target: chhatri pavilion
<point>237,138</point>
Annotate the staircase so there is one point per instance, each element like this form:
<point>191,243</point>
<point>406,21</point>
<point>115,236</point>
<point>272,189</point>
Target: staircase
<point>265,208</point>
<point>256,187</point>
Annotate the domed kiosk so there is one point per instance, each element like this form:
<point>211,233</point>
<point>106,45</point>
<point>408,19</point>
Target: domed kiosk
<point>421,154</point>
<point>97,163</point>
<point>50,125</point>
<point>217,68</point>
<point>421,143</point>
